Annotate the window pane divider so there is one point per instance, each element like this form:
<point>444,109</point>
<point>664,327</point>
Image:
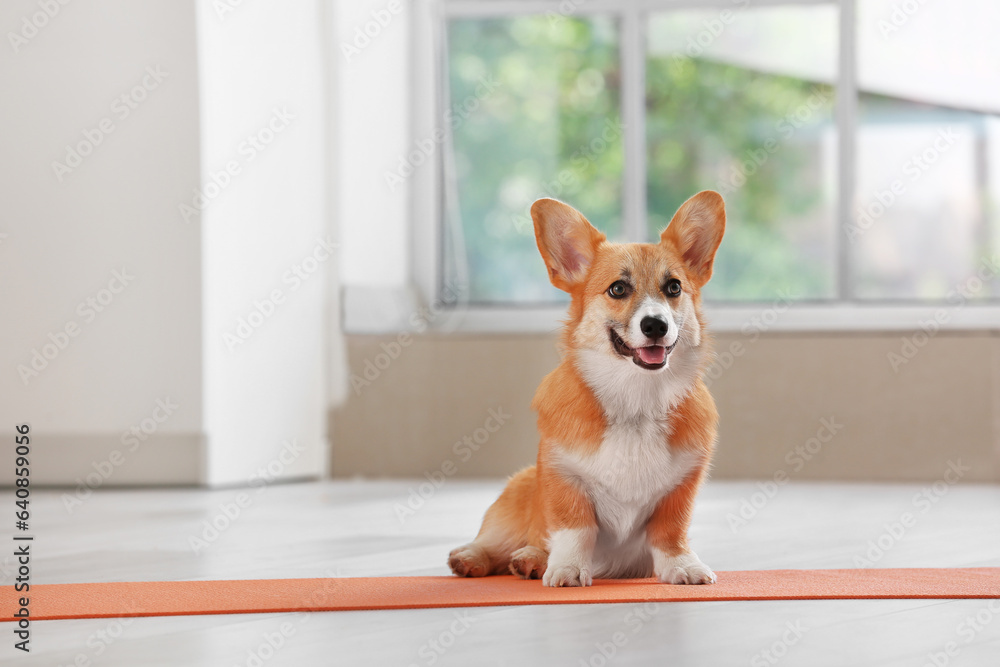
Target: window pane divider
<point>472,8</point>
<point>632,51</point>
<point>847,126</point>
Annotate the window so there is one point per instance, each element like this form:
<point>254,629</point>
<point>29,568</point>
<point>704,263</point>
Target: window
<point>928,140</point>
<point>857,143</point>
<point>551,127</point>
<point>743,103</point>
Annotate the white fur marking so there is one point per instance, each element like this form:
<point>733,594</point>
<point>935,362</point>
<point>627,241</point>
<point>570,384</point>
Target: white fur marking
<point>652,308</point>
<point>684,568</point>
<point>627,391</point>
<point>570,558</point>
<point>625,479</point>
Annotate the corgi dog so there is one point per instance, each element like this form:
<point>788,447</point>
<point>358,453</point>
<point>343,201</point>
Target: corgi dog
<point>626,422</point>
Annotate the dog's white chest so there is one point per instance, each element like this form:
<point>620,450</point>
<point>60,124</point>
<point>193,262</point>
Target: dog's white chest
<point>633,469</point>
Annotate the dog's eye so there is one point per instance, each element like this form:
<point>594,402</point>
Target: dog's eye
<point>619,289</point>
<point>673,287</point>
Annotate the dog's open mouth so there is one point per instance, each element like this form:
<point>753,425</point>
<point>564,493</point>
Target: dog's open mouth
<point>651,357</point>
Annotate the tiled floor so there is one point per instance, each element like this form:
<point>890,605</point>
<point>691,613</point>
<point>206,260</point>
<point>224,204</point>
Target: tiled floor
<point>362,529</point>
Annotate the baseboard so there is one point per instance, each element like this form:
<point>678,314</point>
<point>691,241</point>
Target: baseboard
<point>103,460</point>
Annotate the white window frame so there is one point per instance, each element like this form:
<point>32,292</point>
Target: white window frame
<point>845,313</point>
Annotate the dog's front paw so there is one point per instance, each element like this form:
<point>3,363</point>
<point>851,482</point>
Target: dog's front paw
<point>570,555</point>
<point>567,574</point>
<point>684,568</point>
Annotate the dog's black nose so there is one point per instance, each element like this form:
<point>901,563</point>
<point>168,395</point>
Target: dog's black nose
<point>653,327</point>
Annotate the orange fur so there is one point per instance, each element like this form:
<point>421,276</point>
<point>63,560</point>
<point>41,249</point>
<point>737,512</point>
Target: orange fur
<point>573,422</point>
<point>667,528</point>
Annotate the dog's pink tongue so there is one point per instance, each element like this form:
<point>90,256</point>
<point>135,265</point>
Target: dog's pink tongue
<point>652,355</point>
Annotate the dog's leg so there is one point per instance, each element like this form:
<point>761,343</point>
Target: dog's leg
<point>470,560</point>
<point>529,562</point>
<point>572,527</point>
<point>571,557</point>
<point>507,526</point>
<point>673,560</point>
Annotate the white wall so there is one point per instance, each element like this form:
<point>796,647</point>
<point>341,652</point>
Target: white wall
<point>191,274</point>
<point>373,81</point>
<point>373,84</point>
<point>115,210</point>
<point>262,76</point>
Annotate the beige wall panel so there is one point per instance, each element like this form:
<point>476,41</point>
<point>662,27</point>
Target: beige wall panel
<point>942,405</point>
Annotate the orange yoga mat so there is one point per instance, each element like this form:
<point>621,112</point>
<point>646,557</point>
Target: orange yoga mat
<point>180,598</point>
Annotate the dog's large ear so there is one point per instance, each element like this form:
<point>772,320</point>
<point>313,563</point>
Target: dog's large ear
<point>696,232</point>
<point>567,241</point>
